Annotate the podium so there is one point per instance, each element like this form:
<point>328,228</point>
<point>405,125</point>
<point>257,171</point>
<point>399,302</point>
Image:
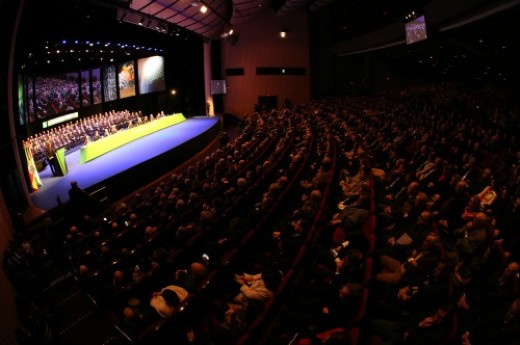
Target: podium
<point>61,163</point>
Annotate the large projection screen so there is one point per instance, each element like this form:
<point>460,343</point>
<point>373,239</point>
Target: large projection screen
<point>96,86</point>
<point>86,98</point>
<point>416,30</point>
<point>150,72</point>
<point>126,79</point>
<point>109,83</point>
<point>56,94</point>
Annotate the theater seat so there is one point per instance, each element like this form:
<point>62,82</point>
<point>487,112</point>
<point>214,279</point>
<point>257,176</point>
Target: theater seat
<point>450,337</point>
<point>369,226</point>
<point>371,244</point>
<point>351,334</point>
<point>369,263</point>
<point>151,330</point>
<point>339,236</point>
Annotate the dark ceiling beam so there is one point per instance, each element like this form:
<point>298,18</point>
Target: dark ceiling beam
<point>318,4</point>
<point>290,6</point>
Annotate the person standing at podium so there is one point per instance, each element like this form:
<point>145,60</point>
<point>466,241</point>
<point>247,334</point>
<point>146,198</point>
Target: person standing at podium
<point>81,203</point>
<point>50,153</point>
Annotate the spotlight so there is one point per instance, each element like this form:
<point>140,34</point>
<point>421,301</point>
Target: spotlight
<point>283,34</point>
<point>141,22</point>
<point>227,33</point>
<point>203,9</point>
<point>230,34</point>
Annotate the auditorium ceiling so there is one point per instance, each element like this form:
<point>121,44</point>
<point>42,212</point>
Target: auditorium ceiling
<point>212,18</point>
<point>104,21</point>
<point>485,50</point>
<point>490,39</point>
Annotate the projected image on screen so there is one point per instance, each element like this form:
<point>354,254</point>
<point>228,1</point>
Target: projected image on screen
<point>29,90</point>
<point>96,86</point>
<point>416,30</point>
<point>109,83</point>
<point>56,94</point>
<point>21,101</point>
<point>126,79</point>
<point>151,74</point>
<point>85,89</point>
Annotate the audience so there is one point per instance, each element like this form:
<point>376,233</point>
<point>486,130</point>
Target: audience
<point>441,184</point>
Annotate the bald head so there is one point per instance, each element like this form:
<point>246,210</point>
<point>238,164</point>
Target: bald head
<point>118,276</point>
<point>129,313</point>
<point>83,269</point>
<point>481,218</point>
<point>198,269</point>
<point>513,267</point>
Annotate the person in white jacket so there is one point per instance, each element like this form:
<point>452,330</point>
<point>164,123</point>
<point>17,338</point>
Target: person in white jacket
<point>259,287</point>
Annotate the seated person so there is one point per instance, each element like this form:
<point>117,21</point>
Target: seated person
<point>168,299</point>
<point>349,218</point>
<point>427,327</point>
<point>286,240</point>
<point>339,263</point>
<point>361,200</point>
<point>259,287</point>
<point>472,238</point>
<point>400,240</point>
<point>191,278</point>
<point>321,306</point>
<point>235,316</point>
<point>421,261</point>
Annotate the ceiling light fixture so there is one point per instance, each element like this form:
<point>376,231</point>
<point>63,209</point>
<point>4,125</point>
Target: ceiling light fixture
<point>227,33</point>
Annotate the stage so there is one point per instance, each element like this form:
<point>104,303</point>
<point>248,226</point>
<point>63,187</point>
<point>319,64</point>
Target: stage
<point>121,171</point>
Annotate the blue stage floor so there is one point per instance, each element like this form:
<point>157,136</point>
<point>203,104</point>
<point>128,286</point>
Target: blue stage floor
<point>116,161</point>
